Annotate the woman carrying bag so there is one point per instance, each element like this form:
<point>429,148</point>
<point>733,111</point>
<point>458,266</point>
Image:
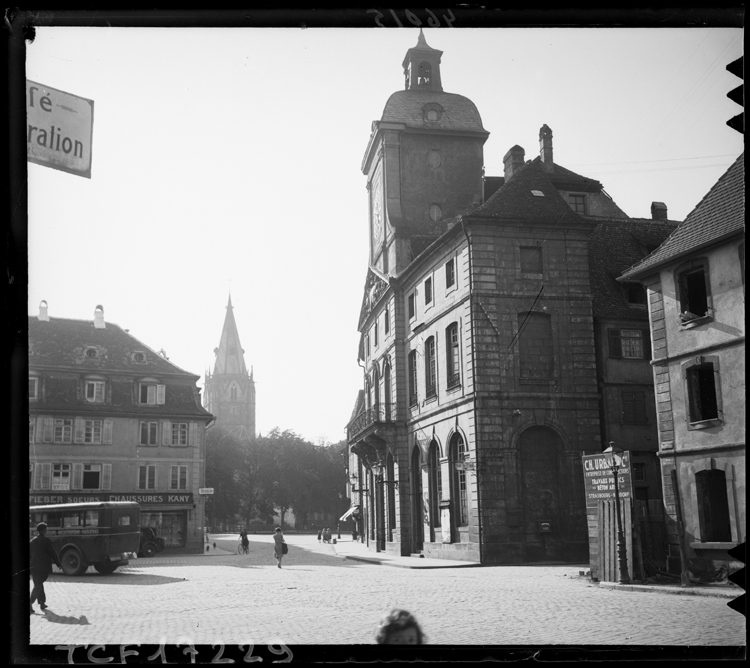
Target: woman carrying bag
<point>280,547</point>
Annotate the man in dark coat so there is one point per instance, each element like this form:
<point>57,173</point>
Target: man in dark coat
<point>42,554</point>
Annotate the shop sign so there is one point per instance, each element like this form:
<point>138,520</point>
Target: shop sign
<point>205,490</point>
<point>599,482</point>
<point>59,129</point>
<point>41,498</point>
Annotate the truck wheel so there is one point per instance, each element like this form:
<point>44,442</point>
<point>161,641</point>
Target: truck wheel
<point>149,550</point>
<point>105,567</point>
<point>73,562</point>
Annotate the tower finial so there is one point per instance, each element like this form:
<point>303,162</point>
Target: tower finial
<point>421,41</point>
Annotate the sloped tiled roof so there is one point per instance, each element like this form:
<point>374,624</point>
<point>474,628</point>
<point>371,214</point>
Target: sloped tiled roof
<point>614,245</point>
<point>459,112</point>
<point>721,212</point>
<point>564,179</point>
<point>61,343</point>
<point>514,200</point>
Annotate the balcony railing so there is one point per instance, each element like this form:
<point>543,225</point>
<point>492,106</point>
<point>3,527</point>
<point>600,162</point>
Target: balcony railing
<point>381,414</point>
<point>454,380</point>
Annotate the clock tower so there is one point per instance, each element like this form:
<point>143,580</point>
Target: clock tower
<point>423,162</point>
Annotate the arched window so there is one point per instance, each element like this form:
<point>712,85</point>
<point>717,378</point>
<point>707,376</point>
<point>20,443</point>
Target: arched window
<point>387,398</point>
<point>453,361</point>
<point>233,393</point>
<point>436,483</point>
<point>430,368</point>
<point>416,498</point>
<point>424,74</point>
<point>459,491</point>
<point>413,378</point>
<point>391,473</point>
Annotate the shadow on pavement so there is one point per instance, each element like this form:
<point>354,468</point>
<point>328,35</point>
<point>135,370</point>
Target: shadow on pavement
<point>62,619</point>
<point>119,577</point>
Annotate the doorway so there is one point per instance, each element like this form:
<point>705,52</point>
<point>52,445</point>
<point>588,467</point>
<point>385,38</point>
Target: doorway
<point>540,448</point>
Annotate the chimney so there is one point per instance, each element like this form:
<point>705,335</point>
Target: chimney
<point>43,311</point>
<point>99,317</point>
<point>658,211</point>
<point>513,161</point>
<point>545,147</point>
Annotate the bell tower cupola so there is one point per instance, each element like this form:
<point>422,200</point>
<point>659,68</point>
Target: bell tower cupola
<point>422,67</point>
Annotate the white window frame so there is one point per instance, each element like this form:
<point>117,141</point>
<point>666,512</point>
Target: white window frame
<point>59,472</point>
<point>151,429</point>
<point>155,394</point>
<point>178,477</point>
<point>33,383</point>
<point>93,431</point>
<point>64,428</point>
<point>180,432</point>
<point>94,391</point>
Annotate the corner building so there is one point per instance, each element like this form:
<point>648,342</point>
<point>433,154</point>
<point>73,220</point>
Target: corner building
<point>477,338</point>
<point>111,420</point>
<point>696,289</point>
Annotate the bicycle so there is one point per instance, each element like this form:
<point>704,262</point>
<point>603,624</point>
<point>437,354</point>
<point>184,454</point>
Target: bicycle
<point>243,549</point>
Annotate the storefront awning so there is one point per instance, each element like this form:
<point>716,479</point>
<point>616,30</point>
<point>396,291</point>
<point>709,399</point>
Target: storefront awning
<point>351,511</point>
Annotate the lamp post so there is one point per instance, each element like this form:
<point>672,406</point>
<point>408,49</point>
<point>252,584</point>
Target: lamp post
<point>614,459</point>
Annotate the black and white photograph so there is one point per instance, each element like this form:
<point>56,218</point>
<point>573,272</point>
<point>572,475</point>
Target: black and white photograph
<point>399,330</point>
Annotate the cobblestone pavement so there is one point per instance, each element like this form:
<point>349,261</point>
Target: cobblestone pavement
<point>318,597</point>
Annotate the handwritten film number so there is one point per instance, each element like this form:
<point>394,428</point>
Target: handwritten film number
<point>432,20</point>
<point>278,650</point>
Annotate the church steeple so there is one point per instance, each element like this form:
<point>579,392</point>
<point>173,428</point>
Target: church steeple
<point>230,390</point>
<point>422,67</point>
<point>230,355</point>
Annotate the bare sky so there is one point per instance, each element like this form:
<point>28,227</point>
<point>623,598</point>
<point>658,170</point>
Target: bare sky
<point>229,160</point>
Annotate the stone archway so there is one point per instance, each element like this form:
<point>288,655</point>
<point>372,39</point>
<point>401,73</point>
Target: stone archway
<point>540,449</point>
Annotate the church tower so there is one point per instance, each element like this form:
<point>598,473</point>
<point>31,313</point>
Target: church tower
<point>423,162</point>
<point>229,392</point>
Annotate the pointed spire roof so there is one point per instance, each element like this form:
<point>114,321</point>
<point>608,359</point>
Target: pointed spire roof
<point>229,354</point>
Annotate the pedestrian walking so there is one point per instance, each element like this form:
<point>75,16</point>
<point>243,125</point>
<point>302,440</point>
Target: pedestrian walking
<point>279,545</point>
<point>42,554</point>
<point>320,533</point>
<point>399,627</point>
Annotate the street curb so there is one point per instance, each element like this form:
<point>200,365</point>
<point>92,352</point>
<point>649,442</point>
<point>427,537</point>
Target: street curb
<point>394,564</point>
<point>678,591</point>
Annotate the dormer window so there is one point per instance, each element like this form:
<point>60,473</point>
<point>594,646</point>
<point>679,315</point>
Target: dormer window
<point>432,112</point>
<point>151,393</point>
<point>577,203</point>
<point>95,391</point>
<point>91,353</point>
<point>436,213</point>
<point>140,358</point>
<point>33,388</point>
<point>537,193</point>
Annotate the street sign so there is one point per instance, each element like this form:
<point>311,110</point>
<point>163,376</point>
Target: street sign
<point>205,490</point>
<point>598,480</point>
<point>466,465</point>
<point>59,129</point>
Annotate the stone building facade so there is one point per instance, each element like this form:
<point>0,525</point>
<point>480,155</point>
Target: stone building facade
<point>696,298</point>
<point>111,420</point>
<point>478,339</point>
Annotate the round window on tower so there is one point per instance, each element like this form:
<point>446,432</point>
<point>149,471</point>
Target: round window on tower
<point>436,213</point>
<point>434,159</point>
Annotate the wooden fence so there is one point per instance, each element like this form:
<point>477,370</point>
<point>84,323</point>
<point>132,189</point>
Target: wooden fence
<point>643,531</point>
